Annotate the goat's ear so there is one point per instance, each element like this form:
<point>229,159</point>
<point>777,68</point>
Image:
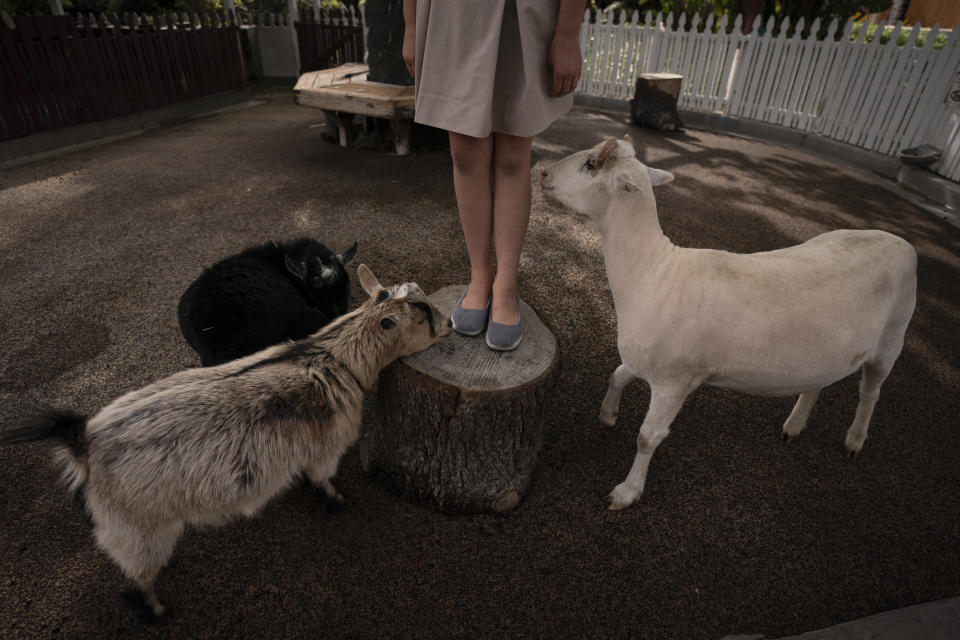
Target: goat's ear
<point>367,280</point>
<point>347,255</point>
<point>626,182</point>
<point>387,323</point>
<point>297,268</point>
<point>659,176</point>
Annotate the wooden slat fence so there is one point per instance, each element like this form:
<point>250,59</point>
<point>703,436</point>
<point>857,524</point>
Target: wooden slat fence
<point>878,95</point>
<point>59,70</point>
<point>329,38</point>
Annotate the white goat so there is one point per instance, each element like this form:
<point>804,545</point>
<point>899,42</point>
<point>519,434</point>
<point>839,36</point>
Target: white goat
<point>204,446</point>
<point>775,323</point>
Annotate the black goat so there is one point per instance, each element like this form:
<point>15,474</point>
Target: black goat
<point>264,295</point>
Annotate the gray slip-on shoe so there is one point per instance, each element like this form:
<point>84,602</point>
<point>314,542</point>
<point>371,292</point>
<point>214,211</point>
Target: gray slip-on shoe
<point>469,322</point>
<point>505,337</point>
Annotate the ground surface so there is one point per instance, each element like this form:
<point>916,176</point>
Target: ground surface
<point>737,532</point>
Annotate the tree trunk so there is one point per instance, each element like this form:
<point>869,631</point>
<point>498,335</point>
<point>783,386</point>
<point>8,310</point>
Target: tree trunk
<point>459,426</point>
<point>385,42</point>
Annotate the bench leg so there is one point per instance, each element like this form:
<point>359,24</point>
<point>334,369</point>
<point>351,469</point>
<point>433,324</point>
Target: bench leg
<point>343,123</point>
<point>401,135</point>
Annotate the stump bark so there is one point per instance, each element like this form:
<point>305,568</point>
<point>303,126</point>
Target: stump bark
<point>654,102</point>
<point>459,426</point>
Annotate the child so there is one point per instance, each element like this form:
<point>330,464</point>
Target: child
<point>494,74</point>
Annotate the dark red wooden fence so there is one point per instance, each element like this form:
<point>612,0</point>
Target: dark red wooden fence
<point>57,70</point>
<point>328,40</point>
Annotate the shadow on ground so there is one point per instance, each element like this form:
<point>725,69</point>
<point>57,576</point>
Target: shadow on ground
<point>737,531</point>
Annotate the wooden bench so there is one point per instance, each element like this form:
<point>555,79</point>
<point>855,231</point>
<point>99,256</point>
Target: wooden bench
<point>344,91</point>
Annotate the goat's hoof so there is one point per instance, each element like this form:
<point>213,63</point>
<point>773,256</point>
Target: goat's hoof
<point>852,447</point>
<point>621,497</point>
<point>608,419</point>
<point>136,605</point>
<point>331,503</point>
<point>787,437</point>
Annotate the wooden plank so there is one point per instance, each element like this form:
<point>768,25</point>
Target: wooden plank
<point>907,83</point>
<point>741,73</point>
<point>788,75</point>
<point>827,100</point>
<point>846,67</point>
<point>13,117</point>
<point>90,54</point>
<point>864,76</point>
<point>361,103</point>
<point>619,58</point>
<point>872,116</point>
<point>634,55</point>
<point>801,101</point>
<point>35,85</point>
<point>761,75</point>
<point>724,90</point>
<point>945,63</point>
<point>90,108</point>
<point>774,57</point>
<point>714,56</point>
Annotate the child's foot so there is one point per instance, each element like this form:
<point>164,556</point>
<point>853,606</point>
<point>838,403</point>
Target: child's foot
<point>477,296</point>
<point>504,309</point>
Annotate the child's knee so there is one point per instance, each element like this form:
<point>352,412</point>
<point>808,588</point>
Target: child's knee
<point>470,155</point>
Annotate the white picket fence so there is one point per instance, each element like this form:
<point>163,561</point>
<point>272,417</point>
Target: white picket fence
<point>882,97</point>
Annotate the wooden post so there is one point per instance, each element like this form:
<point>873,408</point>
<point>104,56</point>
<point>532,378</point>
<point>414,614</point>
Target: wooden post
<point>292,17</point>
<point>459,426</point>
<point>654,102</point>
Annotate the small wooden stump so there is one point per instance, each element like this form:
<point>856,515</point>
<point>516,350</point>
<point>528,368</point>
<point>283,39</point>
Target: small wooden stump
<point>459,426</point>
<point>654,102</point>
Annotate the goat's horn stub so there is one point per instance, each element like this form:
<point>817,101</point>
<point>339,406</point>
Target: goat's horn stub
<point>605,150</point>
<point>628,138</point>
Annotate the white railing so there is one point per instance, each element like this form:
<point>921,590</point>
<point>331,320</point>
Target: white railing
<point>879,96</point>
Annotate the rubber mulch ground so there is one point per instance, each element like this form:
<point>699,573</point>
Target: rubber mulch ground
<point>737,531</point>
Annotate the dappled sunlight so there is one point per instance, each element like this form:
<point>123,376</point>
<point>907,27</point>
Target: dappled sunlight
<point>100,245</point>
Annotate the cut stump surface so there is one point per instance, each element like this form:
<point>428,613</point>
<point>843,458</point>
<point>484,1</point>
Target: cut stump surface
<point>459,426</point>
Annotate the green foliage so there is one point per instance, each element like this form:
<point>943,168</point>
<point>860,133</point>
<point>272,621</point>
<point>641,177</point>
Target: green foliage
<point>25,7</point>
<point>886,32</point>
<point>780,10</point>
<point>280,6</point>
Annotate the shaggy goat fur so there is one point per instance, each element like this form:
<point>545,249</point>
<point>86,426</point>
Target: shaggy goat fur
<point>207,445</point>
<point>263,296</point>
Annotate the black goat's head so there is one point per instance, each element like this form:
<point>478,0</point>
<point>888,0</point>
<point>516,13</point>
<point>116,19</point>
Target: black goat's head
<point>320,275</point>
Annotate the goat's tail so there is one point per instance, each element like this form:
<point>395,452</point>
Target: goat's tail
<point>66,430</point>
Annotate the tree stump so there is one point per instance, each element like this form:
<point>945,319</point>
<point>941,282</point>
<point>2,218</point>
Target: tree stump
<point>459,426</point>
<point>654,102</point>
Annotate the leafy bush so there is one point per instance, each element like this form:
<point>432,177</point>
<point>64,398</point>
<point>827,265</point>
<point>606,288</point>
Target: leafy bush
<point>809,10</point>
<point>887,32</point>
<point>25,7</point>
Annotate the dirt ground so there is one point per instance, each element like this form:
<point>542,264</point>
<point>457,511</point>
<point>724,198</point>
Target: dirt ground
<point>737,531</point>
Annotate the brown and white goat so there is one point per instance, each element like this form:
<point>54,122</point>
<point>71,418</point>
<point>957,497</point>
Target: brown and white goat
<point>205,446</point>
<point>778,323</point>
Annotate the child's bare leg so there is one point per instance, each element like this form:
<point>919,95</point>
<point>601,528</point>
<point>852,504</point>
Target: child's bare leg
<point>511,213</point>
<point>472,159</point>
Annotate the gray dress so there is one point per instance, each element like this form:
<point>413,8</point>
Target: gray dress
<point>481,66</point>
